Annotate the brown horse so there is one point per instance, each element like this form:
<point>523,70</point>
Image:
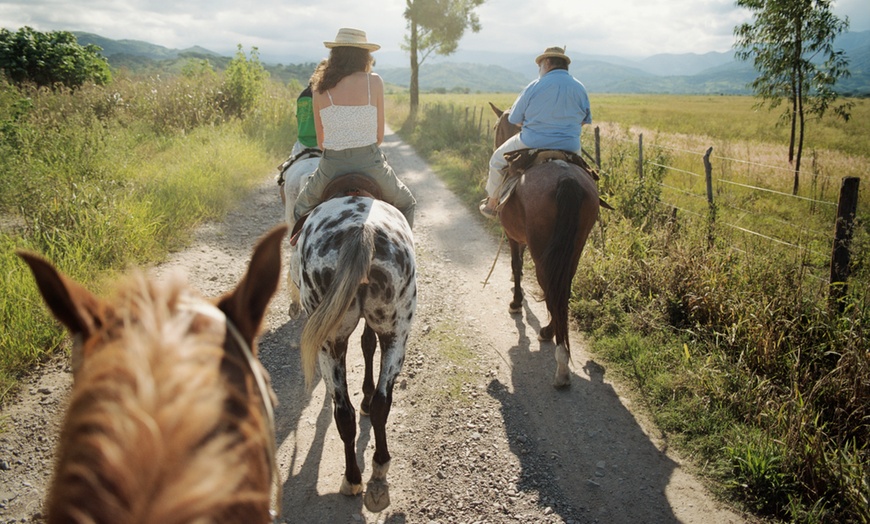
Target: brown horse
<point>552,211</point>
<point>170,415</point>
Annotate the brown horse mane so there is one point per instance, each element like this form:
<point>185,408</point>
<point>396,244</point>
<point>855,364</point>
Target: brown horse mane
<point>148,436</point>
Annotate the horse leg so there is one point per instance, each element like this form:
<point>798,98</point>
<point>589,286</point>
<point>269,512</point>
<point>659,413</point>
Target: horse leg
<point>334,372</point>
<point>295,301</point>
<point>546,333</point>
<point>369,343</point>
<point>562,379</point>
<point>377,496</point>
<point>517,250</point>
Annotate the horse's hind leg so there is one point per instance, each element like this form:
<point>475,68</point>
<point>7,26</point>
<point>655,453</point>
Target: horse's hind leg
<point>369,343</point>
<point>562,379</point>
<point>335,375</point>
<point>546,333</point>
<point>517,251</point>
<point>295,308</point>
<point>377,496</point>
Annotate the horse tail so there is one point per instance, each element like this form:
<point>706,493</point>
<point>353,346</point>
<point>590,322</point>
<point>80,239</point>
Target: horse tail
<point>558,260</point>
<point>354,261</point>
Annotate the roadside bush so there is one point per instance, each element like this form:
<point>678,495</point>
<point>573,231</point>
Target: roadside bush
<point>105,177</point>
<point>244,83</point>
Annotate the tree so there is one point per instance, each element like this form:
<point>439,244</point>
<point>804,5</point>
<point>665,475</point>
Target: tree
<point>436,26</point>
<point>51,58</point>
<point>791,43</point>
<point>244,83</point>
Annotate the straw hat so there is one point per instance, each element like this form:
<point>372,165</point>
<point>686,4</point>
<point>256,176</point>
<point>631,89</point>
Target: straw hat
<point>349,37</point>
<point>553,52</point>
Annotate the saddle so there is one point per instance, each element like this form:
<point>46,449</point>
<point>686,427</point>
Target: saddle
<point>521,160</point>
<point>351,184</point>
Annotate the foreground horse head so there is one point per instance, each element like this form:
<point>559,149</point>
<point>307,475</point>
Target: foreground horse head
<point>552,211</point>
<point>357,261</point>
<point>170,415</point>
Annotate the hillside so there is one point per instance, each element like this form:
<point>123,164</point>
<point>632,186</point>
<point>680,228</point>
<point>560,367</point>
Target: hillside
<point>475,71</point>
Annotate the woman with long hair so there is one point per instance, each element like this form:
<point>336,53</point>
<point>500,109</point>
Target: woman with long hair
<point>349,120</point>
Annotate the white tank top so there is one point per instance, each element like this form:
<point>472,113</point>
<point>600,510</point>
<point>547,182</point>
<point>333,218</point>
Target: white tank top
<point>346,127</point>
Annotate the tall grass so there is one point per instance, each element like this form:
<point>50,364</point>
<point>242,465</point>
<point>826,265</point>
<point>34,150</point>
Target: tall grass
<point>727,335</point>
<point>107,177</point>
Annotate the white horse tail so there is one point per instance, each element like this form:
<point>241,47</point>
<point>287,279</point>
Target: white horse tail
<point>352,268</point>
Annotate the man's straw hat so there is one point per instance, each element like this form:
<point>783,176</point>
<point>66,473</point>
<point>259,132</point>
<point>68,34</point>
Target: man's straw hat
<point>349,37</point>
<point>553,52</point>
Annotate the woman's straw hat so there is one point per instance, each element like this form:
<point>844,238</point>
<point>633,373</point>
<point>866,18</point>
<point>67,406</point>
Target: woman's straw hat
<point>349,37</point>
<point>553,52</point>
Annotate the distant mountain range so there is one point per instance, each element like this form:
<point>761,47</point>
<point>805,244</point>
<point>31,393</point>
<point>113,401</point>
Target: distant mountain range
<point>471,71</point>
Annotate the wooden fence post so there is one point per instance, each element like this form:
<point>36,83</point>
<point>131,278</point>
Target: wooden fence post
<point>598,147</point>
<point>840,253</point>
<point>711,214</point>
<point>708,173</point>
<point>640,155</point>
<point>480,124</point>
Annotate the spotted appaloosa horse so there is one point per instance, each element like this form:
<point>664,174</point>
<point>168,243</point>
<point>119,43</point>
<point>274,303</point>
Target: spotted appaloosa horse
<point>170,416</point>
<point>552,211</point>
<point>357,261</point>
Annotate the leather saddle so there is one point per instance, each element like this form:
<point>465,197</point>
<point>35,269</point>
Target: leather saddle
<point>521,160</point>
<point>351,184</point>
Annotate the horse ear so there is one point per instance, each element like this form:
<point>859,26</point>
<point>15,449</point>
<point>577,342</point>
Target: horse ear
<point>73,305</point>
<point>498,112</point>
<point>246,304</point>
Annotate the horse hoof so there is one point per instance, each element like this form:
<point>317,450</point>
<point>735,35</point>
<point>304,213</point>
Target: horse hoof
<point>546,334</point>
<point>377,497</point>
<point>562,382</point>
<point>513,310</point>
<point>294,310</point>
<point>351,490</point>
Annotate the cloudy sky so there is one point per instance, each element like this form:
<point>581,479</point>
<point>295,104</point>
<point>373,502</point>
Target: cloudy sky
<point>296,28</point>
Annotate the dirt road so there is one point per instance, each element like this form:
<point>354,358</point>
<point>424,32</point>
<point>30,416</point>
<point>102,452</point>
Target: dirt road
<point>477,433</point>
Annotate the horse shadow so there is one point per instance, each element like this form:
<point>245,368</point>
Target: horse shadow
<point>305,434</point>
<point>580,449</point>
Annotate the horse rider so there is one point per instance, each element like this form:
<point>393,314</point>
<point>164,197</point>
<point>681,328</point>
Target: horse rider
<point>349,122</point>
<point>551,110</point>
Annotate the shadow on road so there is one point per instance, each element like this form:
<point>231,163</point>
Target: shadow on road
<point>579,445</point>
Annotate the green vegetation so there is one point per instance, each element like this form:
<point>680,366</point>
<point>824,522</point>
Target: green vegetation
<point>727,335</point>
<point>102,178</point>
<point>46,59</point>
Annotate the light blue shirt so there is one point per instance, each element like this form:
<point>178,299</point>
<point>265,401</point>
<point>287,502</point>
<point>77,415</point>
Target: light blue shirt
<point>552,109</point>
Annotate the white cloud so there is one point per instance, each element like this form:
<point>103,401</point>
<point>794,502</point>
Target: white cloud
<point>297,27</point>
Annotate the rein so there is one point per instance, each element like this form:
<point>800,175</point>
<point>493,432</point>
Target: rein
<point>209,310</point>
<point>497,253</point>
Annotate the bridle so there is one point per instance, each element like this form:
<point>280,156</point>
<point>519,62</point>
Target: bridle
<point>204,308</point>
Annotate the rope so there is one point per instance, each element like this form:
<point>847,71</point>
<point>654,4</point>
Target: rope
<point>497,253</point>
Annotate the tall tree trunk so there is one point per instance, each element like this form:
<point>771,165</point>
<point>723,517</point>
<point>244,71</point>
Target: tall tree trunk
<point>800,147</point>
<point>794,112</point>
<point>798,90</point>
<point>415,72</point>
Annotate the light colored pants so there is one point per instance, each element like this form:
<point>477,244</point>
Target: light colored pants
<point>368,160</point>
<point>497,163</point>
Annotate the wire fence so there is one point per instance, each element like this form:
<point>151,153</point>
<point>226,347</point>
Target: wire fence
<point>812,223</point>
<point>807,221</point>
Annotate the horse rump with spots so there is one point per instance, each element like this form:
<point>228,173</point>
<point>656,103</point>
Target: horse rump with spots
<point>357,261</point>
<point>170,415</point>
